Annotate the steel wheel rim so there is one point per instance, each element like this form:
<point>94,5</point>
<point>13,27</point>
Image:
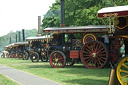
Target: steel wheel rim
<point>94,55</point>
<point>25,56</point>
<point>20,55</point>
<point>57,60</point>
<point>44,58</point>
<point>34,57</point>
<point>122,71</point>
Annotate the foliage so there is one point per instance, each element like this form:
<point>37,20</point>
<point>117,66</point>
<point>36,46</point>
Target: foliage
<point>78,12</point>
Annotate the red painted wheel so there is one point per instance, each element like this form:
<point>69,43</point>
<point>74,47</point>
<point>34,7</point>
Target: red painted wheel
<point>57,59</point>
<point>94,55</point>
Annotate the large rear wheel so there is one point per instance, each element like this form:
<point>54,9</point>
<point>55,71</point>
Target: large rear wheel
<point>122,71</point>
<point>57,59</point>
<point>94,55</point>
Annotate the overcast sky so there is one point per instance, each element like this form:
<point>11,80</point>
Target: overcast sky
<point>21,14</point>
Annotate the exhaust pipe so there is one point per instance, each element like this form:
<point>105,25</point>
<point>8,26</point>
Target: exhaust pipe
<point>23,35</point>
<point>10,40</point>
<point>62,14</point>
<point>19,36</point>
<point>39,25</point>
<point>16,37</point>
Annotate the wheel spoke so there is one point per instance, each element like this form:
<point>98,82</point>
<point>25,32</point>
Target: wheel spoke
<point>88,60</point>
<point>93,62</point>
<point>88,50</point>
<point>96,47</point>
<point>61,59</point>
<point>100,51</point>
<point>101,59</point>
<point>93,47</point>
<point>124,76</point>
<point>99,47</point>
<point>86,57</point>
<point>125,65</point>
<point>123,71</point>
<point>97,62</point>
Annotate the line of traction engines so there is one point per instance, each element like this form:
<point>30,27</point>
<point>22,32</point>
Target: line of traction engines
<point>34,48</point>
<point>64,46</point>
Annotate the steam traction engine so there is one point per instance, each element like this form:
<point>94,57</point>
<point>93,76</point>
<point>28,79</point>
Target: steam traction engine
<point>11,49</point>
<point>117,17</point>
<point>37,48</point>
<point>17,50</point>
<point>82,44</point>
<point>22,50</point>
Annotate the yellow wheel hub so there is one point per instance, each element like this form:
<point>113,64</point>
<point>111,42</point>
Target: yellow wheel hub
<point>56,60</point>
<point>122,71</point>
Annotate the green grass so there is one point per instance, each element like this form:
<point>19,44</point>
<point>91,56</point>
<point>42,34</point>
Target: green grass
<point>6,81</point>
<point>75,75</point>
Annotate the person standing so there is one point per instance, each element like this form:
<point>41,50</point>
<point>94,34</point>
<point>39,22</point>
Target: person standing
<point>106,39</point>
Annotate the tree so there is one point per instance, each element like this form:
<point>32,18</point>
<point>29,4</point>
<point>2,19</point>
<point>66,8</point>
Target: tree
<point>78,12</point>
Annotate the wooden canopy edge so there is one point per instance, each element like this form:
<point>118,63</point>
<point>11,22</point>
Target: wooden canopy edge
<point>90,28</point>
<point>113,11</point>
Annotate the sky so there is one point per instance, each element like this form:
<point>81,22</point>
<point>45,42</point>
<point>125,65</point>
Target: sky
<point>16,15</point>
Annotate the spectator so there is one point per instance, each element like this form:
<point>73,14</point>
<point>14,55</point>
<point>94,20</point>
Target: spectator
<point>106,39</point>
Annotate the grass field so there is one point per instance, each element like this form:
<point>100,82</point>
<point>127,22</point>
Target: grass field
<point>6,81</point>
<point>75,75</point>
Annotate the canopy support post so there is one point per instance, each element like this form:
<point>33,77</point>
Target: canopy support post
<point>105,24</point>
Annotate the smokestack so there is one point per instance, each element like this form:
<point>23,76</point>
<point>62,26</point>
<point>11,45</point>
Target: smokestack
<point>62,14</point>
<point>16,37</point>
<point>19,36</point>
<point>39,25</point>
<point>23,35</point>
<point>10,40</point>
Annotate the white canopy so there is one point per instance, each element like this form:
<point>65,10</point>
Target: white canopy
<point>113,11</point>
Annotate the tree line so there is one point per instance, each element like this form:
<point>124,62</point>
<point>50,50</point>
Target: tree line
<point>78,12</point>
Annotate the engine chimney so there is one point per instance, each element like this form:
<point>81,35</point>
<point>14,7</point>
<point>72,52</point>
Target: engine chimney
<point>62,14</point>
<point>16,37</point>
<point>19,36</point>
<point>39,25</point>
<point>23,35</point>
<point>10,40</point>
